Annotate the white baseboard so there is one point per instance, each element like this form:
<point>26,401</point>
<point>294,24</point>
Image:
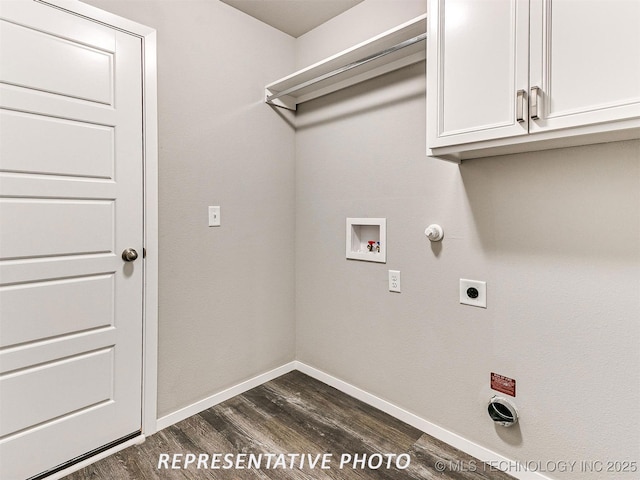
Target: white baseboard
<point>195,408</point>
<point>450,438</point>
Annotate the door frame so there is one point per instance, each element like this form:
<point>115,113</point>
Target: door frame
<point>150,199</point>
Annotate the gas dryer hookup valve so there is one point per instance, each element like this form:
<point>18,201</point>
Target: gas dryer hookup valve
<point>434,232</point>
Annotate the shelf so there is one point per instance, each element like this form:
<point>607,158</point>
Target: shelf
<point>391,50</point>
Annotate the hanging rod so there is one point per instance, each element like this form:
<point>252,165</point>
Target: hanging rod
<point>350,66</point>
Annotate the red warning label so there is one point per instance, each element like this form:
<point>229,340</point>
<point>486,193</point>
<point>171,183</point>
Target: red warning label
<point>503,384</point>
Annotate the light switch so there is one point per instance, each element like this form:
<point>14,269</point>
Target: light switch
<point>214,216</point>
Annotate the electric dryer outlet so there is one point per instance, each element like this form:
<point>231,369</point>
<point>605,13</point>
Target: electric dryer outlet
<point>473,292</point>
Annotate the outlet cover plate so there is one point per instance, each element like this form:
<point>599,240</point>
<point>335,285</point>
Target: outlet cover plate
<point>394,281</point>
<point>479,300</point>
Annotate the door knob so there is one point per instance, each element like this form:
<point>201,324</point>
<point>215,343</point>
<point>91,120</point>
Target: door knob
<point>129,255</point>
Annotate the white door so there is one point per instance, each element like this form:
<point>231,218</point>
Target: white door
<point>478,70</point>
<point>585,60</point>
<point>70,203</point>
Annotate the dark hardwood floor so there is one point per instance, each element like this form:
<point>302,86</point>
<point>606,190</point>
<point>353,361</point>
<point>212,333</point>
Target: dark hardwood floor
<point>293,421</point>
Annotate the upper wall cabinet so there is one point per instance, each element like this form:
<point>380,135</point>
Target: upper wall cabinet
<point>510,76</point>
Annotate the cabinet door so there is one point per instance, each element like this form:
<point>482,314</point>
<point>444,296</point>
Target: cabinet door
<point>585,59</point>
<point>477,61</point>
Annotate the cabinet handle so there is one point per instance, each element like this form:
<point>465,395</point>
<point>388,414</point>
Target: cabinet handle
<point>520,106</point>
<point>533,106</point>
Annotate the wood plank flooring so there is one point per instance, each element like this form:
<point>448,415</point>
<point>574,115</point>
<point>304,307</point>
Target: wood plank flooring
<point>291,417</point>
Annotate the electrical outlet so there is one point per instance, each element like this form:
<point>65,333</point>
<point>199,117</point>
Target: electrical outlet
<point>214,216</point>
<point>394,281</point>
<point>473,292</point>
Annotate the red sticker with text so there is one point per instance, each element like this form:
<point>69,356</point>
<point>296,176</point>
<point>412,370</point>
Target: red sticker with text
<point>503,384</point>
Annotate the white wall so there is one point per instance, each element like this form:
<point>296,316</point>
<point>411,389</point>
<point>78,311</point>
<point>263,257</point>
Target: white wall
<point>347,30</point>
<point>226,301</point>
<point>555,234</point>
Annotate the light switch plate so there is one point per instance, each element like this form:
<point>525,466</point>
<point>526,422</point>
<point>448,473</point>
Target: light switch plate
<point>214,216</point>
<point>473,292</point>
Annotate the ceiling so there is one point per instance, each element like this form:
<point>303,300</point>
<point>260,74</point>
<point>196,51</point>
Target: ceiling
<point>295,17</point>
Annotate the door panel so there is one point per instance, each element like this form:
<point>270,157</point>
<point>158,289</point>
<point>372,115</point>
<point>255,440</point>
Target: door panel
<point>54,146</point>
<point>55,227</point>
<point>70,202</point>
<point>463,19</point>
<point>55,64</point>
<point>40,310</point>
<point>72,384</point>
<point>475,69</point>
<point>585,75</point>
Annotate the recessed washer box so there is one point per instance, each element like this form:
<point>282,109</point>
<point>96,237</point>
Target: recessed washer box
<point>367,239</point>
